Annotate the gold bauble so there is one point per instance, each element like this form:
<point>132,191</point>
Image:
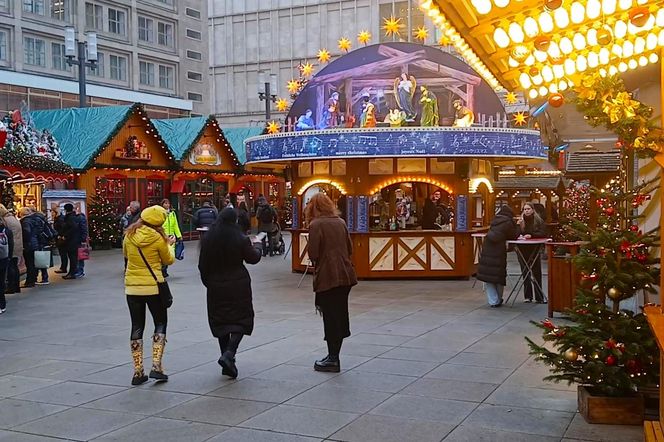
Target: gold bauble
<point>604,36</point>
<point>614,293</point>
<point>571,354</point>
<point>638,16</point>
<point>552,5</point>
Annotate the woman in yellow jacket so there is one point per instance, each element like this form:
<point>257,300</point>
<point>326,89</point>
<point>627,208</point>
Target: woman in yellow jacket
<point>171,228</point>
<point>147,236</point>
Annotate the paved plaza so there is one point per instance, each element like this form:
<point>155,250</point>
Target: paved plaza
<point>428,361</point>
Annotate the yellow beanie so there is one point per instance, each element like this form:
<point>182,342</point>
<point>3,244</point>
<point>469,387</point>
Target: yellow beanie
<point>154,215</point>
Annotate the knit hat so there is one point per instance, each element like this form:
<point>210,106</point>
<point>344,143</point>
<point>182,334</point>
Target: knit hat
<point>154,215</point>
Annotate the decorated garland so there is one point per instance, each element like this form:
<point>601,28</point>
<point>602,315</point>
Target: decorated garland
<point>604,101</point>
<point>15,158</point>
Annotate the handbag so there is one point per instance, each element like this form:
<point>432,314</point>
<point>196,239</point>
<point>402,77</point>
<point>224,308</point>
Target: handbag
<point>42,259</point>
<point>162,287</point>
<point>84,252</point>
<point>179,250</point>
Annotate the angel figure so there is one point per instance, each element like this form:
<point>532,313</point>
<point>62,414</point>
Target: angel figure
<point>404,89</point>
<point>429,107</point>
<point>463,116</point>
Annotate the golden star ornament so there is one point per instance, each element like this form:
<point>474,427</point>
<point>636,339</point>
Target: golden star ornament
<point>520,119</point>
<point>293,86</point>
<point>282,104</point>
<point>272,127</point>
<point>511,98</point>
<point>421,34</point>
<point>344,44</point>
<point>364,37</point>
<point>307,69</point>
<point>324,56</point>
<point>392,26</point>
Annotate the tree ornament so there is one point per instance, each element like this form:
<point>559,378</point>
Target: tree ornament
<point>323,56</point>
<point>614,293</point>
<point>604,36</point>
<point>571,354</point>
<point>552,5</point>
<point>542,43</point>
<point>638,16</point>
<point>610,360</point>
<point>610,344</point>
<point>597,290</point>
<point>548,324</point>
<point>610,211</point>
<point>556,100</point>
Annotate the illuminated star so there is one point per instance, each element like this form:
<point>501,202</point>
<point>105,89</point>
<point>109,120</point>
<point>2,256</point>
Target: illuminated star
<point>293,86</point>
<point>307,69</point>
<point>421,33</point>
<point>511,98</point>
<point>392,26</point>
<point>272,127</point>
<point>364,37</point>
<point>444,40</point>
<point>282,104</point>
<point>344,44</point>
<point>520,119</point>
<point>323,56</point>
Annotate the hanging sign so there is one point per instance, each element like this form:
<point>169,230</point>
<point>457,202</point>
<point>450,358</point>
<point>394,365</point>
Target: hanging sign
<point>204,154</point>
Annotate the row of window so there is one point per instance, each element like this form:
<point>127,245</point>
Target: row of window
<point>146,32</point>
<point>57,9</point>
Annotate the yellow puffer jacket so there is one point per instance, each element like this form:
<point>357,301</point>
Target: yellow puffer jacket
<point>138,280</point>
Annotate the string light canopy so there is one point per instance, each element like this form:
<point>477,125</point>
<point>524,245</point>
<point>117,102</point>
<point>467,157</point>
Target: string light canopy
<point>544,46</point>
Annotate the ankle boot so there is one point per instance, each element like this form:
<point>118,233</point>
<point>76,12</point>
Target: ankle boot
<point>227,362</point>
<point>328,364</point>
<point>158,344</point>
<point>137,356</point>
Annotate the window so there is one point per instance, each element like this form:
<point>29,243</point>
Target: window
<point>115,190</point>
<point>58,57</point>
<point>118,67</point>
<point>196,35</point>
<point>94,17</point>
<point>195,76</point>
<point>166,74</point>
<point>59,9</point>
<point>146,73</point>
<point>167,2</point>
<point>194,55</point>
<point>4,4</point>
<point>4,56</point>
<point>194,97</point>
<point>34,51</point>
<point>145,29</point>
<point>99,68</point>
<point>154,192</point>
<point>33,6</point>
<point>165,34</point>
<point>116,21</point>
<point>193,13</point>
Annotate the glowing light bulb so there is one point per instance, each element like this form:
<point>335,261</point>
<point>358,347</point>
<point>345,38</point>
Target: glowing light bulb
<point>524,80</point>
<point>593,9</point>
<point>593,60</point>
<point>512,62</point>
<point>639,45</point>
<point>660,18</point>
<point>501,38</point>
<point>543,91</point>
<point>537,80</point>
<point>625,4</point>
<point>579,41</point>
<point>501,3</point>
<point>622,67</point>
<point>541,56</point>
<point>516,33</point>
<point>643,61</point>
<point>558,71</point>
<point>561,18</point>
<point>577,12</point>
<point>581,63</point>
<point>613,70</point>
<point>570,66</point>
<point>653,58</point>
<point>651,41</point>
<point>620,29</point>
<point>608,6</point>
<point>553,88</point>
<point>530,27</point>
<point>562,85</point>
<point>660,38</point>
<point>530,60</point>
<point>604,56</point>
<point>566,46</point>
<point>628,49</point>
<point>547,74</point>
<point>546,22</point>
<point>632,64</point>
<point>533,94</point>
<point>554,50</point>
<point>617,50</point>
<point>482,6</point>
<point>591,37</point>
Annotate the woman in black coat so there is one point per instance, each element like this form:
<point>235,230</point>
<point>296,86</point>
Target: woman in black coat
<point>243,219</point>
<point>224,250</point>
<point>531,225</point>
<point>492,269</point>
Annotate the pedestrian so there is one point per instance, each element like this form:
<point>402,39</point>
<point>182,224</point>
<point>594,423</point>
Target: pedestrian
<point>531,225</point>
<point>59,226</point>
<point>75,235</point>
<point>205,216</point>
<point>171,228</point>
<point>13,274</point>
<point>243,219</point>
<point>266,216</point>
<point>32,229</point>
<point>492,268</point>
<point>224,250</point>
<point>46,241</point>
<point>6,253</point>
<point>330,249</point>
<point>147,248</point>
<point>132,214</point>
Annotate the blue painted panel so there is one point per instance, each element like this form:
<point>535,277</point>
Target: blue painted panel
<point>461,213</point>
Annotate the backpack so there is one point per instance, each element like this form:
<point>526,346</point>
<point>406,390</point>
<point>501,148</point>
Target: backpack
<point>266,215</point>
<point>4,244</point>
<point>48,233</point>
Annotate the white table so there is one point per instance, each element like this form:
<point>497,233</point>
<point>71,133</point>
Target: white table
<point>539,242</point>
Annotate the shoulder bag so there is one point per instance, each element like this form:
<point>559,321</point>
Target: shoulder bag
<point>163,288</point>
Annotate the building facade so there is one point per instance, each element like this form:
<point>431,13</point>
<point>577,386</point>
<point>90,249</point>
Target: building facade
<point>276,36</point>
<point>150,51</point>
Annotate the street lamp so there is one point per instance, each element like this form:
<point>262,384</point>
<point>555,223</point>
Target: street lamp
<point>265,88</point>
<point>71,44</point>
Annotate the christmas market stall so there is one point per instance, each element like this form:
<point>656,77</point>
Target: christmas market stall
<point>388,132</point>
<point>115,151</point>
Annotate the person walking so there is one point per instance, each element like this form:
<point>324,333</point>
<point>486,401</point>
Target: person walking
<point>531,225</point>
<point>266,216</point>
<point>60,243</point>
<point>330,249</point>
<point>32,228</point>
<point>13,274</point>
<point>75,234</point>
<point>205,216</point>
<point>224,250</point>
<point>6,254</point>
<point>492,268</point>
<point>46,241</point>
<point>171,228</point>
<point>147,248</point>
<point>243,218</point>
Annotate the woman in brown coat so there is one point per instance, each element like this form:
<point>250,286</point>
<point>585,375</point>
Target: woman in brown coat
<point>329,250</point>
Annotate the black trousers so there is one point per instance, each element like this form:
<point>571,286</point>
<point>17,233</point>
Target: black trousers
<point>72,257</point>
<point>64,258</point>
<point>31,270</point>
<point>531,253</point>
<point>333,305</point>
<point>3,276</point>
<point>137,305</point>
<point>13,276</point>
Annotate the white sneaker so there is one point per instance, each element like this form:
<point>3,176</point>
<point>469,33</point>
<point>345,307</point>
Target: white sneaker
<point>43,283</point>
<point>2,310</point>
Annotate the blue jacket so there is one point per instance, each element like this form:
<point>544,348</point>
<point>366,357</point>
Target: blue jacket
<point>33,228</point>
<point>205,217</point>
<point>75,230</point>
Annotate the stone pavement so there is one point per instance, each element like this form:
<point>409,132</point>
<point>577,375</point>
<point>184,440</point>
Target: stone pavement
<point>428,361</point>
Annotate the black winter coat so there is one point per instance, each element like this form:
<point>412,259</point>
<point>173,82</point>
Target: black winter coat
<point>75,230</point>
<point>33,228</point>
<point>205,217</point>
<point>535,231</point>
<point>243,220</point>
<point>224,251</point>
<point>493,261</point>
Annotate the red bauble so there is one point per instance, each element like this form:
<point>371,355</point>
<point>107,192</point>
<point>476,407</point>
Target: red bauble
<point>610,344</point>
<point>625,246</point>
<point>610,211</point>
<point>548,324</point>
<point>610,360</point>
<point>582,311</point>
<point>634,228</point>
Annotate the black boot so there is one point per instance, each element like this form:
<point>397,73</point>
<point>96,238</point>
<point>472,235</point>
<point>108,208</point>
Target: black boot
<point>329,364</point>
<point>223,345</point>
<point>227,362</point>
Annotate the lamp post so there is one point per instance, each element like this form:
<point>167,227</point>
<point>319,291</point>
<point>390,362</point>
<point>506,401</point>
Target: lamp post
<point>267,89</point>
<point>74,46</point>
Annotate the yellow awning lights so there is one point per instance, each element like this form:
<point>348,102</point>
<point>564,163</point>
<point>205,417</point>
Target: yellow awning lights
<point>542,46</point>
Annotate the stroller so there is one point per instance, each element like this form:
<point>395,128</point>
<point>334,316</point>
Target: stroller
<point>273,243</point>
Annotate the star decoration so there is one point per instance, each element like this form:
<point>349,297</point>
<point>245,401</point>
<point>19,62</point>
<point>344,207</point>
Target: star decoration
<point>444,40</point>
<point>364,37</point>
<point>392,26</point>
<point>421,33</point>
<point>282,104</point>
<point>520,119</point>
<point>344,44</point>
<point>511,98</point>
<point>272,127</point>
<point>293,86</point>
<point>323,56</point>
<point>306,69</point>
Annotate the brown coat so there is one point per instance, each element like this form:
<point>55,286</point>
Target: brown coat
<point>330,249</point>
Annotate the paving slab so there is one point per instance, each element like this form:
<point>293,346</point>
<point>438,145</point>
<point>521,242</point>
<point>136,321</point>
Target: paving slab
<point>216,410</point>
<point>70,393</point>
<point>580,429</point>
<point>12,436</point>
<point>424,408</point>
<point>520,420</point>
<point>13,385</point>
<point>465,433</point>
<point>155,429</point>
<point>371,381</point>
<point>140,401</point>
<point>392,429</point>
<point>332,397</point>
<point>450,389</point>
<point>15,412</point>
<point>250,435</point>
<point>263,390</point>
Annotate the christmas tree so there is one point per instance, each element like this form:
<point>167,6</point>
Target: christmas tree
<point>576,208</point>
<point>103,223</point>
<point>7,197</point>
<point>608,349</point>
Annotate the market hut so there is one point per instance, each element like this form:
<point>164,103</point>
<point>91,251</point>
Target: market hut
<point>115,151</point>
